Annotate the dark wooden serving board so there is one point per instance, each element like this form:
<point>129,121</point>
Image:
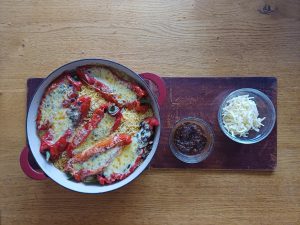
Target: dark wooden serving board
<point>201,97</point>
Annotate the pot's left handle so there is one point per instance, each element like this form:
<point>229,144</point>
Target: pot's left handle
<point>27,168</point>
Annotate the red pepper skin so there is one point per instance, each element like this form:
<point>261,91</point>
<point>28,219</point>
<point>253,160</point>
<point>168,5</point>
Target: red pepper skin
<point>136,105</point>
<point>83,132</point>
<point>98,86</point>
<point>117,122</point>
<point>83,173</point>
<point>84,103</point>
<point>80,71</point>
<point>134,87</point>
<point>107,93</point>
<point>152,121</point>
<point>46,142</point>
<point>44,126</point>
<point>77,84</point>
<point>58,147</point>
<point>118,140</point>
<point>138,90</point>
<point>102,146</point>
<point>116,176</point>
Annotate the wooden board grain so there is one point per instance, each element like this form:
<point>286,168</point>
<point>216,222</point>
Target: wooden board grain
<point>201,97</point>
<point>171,37</point>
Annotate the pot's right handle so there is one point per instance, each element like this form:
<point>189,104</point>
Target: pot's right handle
<point>161,86</point>
<point>27,168</point>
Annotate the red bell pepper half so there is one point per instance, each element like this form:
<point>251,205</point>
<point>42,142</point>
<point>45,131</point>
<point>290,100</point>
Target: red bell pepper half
<point>115,142</point>
<point>74,81</point>
<point>98,86</point>
<point>148,124</point>
<point>83,103</point>
<point>102,146</point>
<point>137,106</point>
<point>117,122</point>
<point>108,94</point>
<point>85,129</point>
<point>152,121</point>
<point>56,148</point>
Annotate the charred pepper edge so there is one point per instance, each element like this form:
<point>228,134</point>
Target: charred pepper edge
<point>82,174</point>
<point>57,148</point>
<point>106,92</point>
<point>119,140</point>
<point>76,84</point>
<point>118,176</point>
<point>153,122</point>
<point>102,146</point>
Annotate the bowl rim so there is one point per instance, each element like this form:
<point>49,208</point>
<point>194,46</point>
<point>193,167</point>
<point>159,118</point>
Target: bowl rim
<point>192,159</point>
<point>265,99</point>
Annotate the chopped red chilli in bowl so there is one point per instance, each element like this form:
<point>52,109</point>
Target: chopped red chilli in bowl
<point>189,138</point>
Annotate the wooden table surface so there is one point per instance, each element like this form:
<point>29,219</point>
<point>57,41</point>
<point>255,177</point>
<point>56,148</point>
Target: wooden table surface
<point>171,38</point>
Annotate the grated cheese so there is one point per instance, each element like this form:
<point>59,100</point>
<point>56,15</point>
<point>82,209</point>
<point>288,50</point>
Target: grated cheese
<point>52,110</point>
<point>96,99</point>
<point>98,160</point>
<point>104,75</point>
<point>131,121</point>
<point>101,131</point>
<point>123,162</point>
<point>240,115</point>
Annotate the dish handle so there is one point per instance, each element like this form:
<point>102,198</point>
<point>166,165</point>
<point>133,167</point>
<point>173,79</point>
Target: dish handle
<point>159,83</point>
<point>27,168</point>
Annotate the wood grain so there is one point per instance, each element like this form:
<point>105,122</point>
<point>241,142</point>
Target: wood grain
<point>172,37</point>
<point>201,97</point>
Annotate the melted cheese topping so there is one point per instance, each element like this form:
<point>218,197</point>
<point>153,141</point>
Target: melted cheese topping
<point>62,161</point>
<point>96,99</point>
<point>100,132</point>
<point>98,160</point>
<point>53,111</point>
<point>124,94</point>
<point>240,115</point>
<point>122,163</point>
<point>131,121</point>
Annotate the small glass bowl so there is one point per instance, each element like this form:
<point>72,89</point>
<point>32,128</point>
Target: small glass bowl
<point>265,108</point>
<point>207,132</point>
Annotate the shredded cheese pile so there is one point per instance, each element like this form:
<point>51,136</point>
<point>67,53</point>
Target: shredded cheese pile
<point>240,115</point>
